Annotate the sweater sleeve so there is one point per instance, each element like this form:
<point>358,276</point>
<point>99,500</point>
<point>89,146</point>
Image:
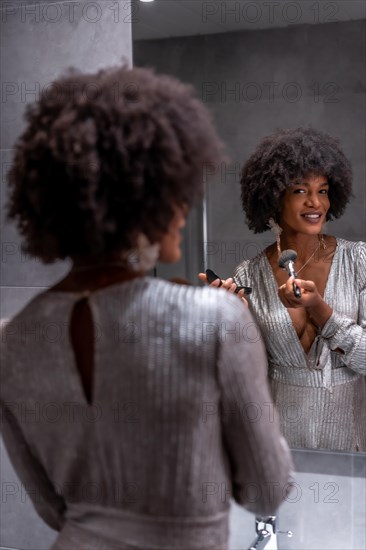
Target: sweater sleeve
<point>259,456</point>
<point>48,504</point>
<point>241,274</point>
<point>347,336</point>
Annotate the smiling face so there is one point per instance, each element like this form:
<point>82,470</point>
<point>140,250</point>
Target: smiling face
<point>305,205</point>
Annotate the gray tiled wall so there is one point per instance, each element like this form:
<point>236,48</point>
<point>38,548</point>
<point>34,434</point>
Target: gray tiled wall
<point>39,40</point>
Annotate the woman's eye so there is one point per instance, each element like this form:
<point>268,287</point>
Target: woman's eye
<point>299,191</point>
<point>324,191</point>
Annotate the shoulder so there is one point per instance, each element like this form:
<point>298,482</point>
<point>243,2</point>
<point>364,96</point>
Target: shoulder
<point>353,255</point>
<point>27,331</point>
<point>4,323</point>
<point>201,302</point>
<point>32,309</point>
<point>351,245</point>
<point>246,268</point>
<point>354,250</point>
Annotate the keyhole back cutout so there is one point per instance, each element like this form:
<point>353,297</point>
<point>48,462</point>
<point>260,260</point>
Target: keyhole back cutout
<point>82,341</point>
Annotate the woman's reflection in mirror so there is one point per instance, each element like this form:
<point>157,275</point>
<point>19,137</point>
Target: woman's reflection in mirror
<point>293,183</point>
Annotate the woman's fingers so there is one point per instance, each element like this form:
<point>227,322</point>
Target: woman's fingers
<point>227,284</point>
<point>305,285</point>
<point>285,296</point>
<point>241,295</point>
<point>309,293</point>
<point>203,277</point>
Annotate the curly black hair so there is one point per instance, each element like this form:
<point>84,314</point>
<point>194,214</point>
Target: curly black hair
<point>106,156</point>
<point>283,157</point>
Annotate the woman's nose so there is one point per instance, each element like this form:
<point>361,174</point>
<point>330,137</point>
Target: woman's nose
<point>313,200</point>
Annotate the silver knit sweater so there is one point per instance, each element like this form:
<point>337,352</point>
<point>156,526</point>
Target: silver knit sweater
<point>181,418</point>
<point>321,396</point>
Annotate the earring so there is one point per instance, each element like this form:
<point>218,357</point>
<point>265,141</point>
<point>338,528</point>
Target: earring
<point>322,242</point>
<point>144,256</point>
<point>277,230</point>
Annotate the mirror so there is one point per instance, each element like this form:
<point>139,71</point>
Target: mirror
<point>259,66</point>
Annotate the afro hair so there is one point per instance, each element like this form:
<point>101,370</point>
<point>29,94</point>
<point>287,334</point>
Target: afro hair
<point>106,156</point>
<point>282,158</point>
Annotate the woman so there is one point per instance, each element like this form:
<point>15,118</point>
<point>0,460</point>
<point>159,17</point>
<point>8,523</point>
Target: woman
<point>142,432</point>
<point>294,182</point>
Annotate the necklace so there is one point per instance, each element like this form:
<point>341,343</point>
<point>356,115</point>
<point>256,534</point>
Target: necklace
<point>310,257</point>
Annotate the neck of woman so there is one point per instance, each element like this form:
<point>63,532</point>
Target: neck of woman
<point>92,274</point>
<point>304,245</point>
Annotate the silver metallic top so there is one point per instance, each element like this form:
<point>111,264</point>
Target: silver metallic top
<point>321,396</point>
<point>180,418</point>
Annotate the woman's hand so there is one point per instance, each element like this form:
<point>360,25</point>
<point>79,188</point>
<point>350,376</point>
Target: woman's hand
<point>309,294</point>
<point>310,299</point>
<point>227,284</point>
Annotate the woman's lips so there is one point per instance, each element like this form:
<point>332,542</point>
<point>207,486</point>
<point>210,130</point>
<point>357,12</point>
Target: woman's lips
<point>312,218</point>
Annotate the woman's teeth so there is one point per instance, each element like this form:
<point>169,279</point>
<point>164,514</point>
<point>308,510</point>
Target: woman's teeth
<point>311,216</point>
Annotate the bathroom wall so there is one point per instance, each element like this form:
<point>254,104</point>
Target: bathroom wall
<point>40,40</point>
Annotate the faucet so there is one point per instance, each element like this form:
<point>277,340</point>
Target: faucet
<point>266,530</point>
